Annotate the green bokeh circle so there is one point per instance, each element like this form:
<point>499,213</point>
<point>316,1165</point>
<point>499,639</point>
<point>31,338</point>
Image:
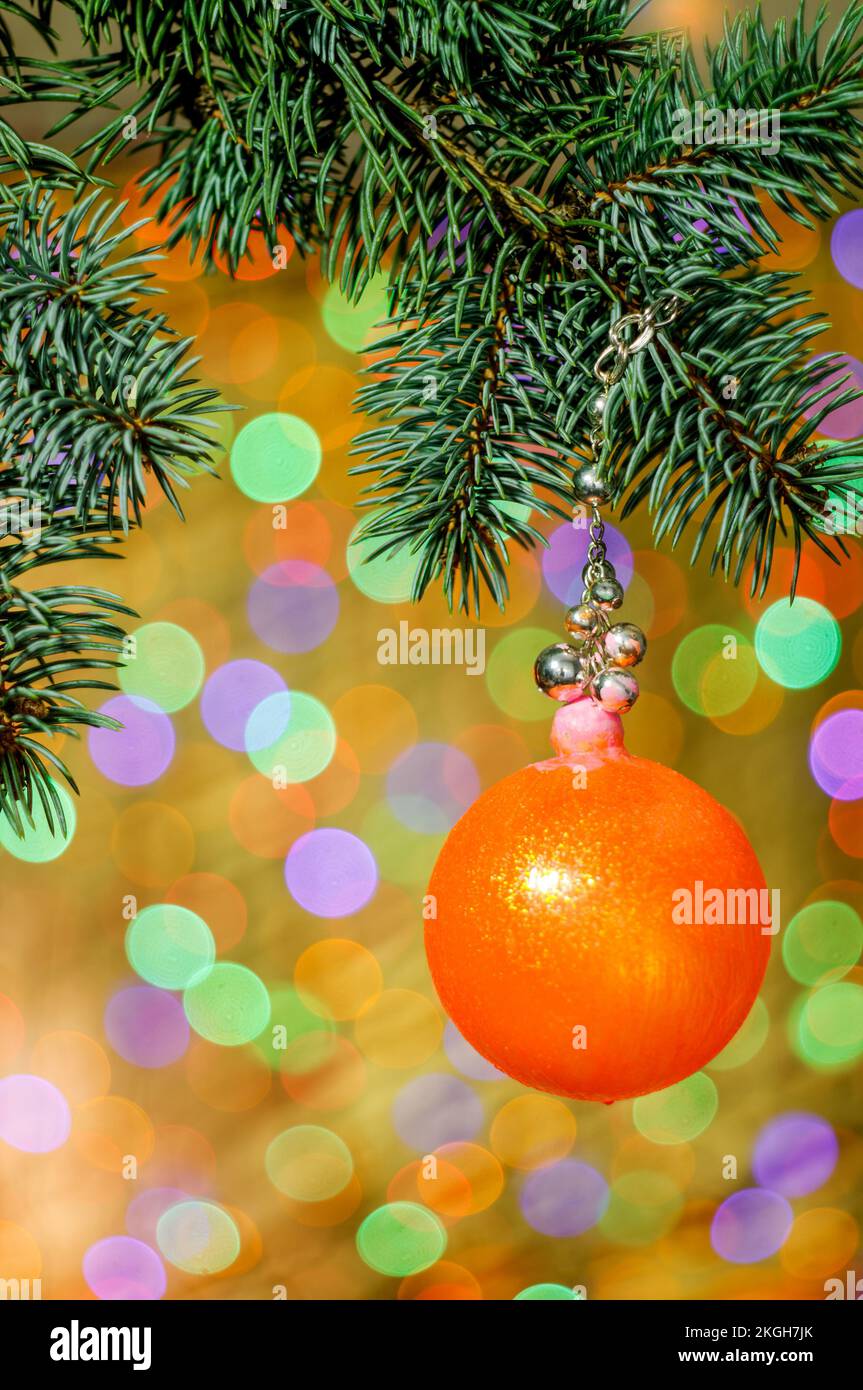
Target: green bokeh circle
<point>401,1238</point>
<point>305,744</point>
<point>509,673</point>
<point>198,1237</point>
<point>350,324</point>
<point>275,457</point>
<point>706,680</point>
<point>170,946</point>
<point>39,845</point>
<point>797,644</point>
<point>167,669</point>
<point>679,1113</point>
<point>822,941</point>
<point>230,1006</point>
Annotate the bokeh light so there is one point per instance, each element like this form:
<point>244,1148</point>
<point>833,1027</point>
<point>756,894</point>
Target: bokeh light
<point>198,1237</point>
<point>41,842</point>
<point>436,1109</point>
<point>564,1199</point>
<point>836,755</point>
<point>401,1238</point>
<point>120,1268</point>
<point>229,1005</point>
<point>169,946</point>
<point>466,1059</point>
<point>290,737</point>
<point>275,457</point>
<point>846,246</point>
<point>643,1206</point>
<point>338,978</point>
<point>430,786</point>
<point>509,672</point>
<point>167,669</point>
<point>714,670</point>
<point>34,1115</point>
<point>532,1131</point>
<point>300,1038</point>
<point>566,557</point>
<point>795,1154</point>
<point>231,695</point>
<point>830,1024</point>
<point>294,606</point>
<point>350,323</point>
<point>146,1026</point>
<point>400,1029</point>
<point>309,1163</point>
<point>797,644</point>
<point>330,873</point>
<point>141,751</point>
<point>822,1242</point>
<point>747,1041</point>
<point>750,1225</point>
<point>385,578</point>
<point>547,1293</point>
<point>108,1131</point>
<point>846,421</point>
<point>679,1113</point>
<point>822,941</point>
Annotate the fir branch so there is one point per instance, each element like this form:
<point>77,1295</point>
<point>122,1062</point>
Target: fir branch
<point>520,173</point>
<point>95,401</point>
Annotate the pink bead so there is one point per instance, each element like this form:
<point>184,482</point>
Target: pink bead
<point>585,727</point>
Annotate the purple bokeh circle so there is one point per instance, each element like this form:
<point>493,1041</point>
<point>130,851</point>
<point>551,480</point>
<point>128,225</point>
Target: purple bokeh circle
<point>566,557</point>
<point>795,1154</point>
<point>564,1199</point>
<point>141,750</point>
<point>847,421</point>
<point>143,1212</point>
<point>147,1026</point>
<point>435,1110</point>
<point>836,755</point>
<point>431,786</point>
<point>846,246</point>
<point>34,1115</point>
<point>121,1268</point>
<point>331,872</point>
<point>230,696</point>
<point>750,1225</point>
<point>294,606</point>
<point>466,1059</point>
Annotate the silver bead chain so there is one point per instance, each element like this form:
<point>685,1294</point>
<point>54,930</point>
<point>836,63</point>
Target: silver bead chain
<point>599,665</point>
<point>596,555</point>
<point>617,354</point>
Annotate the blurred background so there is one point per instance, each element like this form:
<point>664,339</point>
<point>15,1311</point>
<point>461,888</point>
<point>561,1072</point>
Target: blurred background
<point>154,1143</point>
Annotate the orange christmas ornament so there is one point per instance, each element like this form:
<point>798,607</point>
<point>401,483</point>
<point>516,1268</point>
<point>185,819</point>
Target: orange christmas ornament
<point>570,945</point>
<point>601,928</point>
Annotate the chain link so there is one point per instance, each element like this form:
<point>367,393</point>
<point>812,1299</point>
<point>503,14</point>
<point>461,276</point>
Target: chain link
<point>655,316</point>
<point>596,554</point>
<point>618,352</point>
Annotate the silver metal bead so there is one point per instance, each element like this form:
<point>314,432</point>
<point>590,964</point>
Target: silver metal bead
<point>582,620</point>
<point>589,487</point>
<point>608,593</point>
<point>616,690</point>
<point>597,406</point>
<point>625,644</point>
<point>559,673</point>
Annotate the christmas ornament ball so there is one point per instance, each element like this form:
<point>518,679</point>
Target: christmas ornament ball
<point>590,936</point>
